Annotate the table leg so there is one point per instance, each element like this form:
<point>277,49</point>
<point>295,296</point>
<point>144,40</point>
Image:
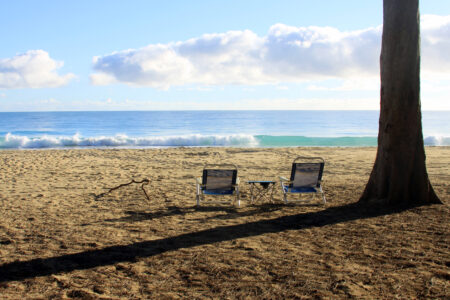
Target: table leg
<point>271,192</point>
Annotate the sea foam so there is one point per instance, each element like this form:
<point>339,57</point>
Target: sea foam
<point>437,141</point>
<point>11,141</point>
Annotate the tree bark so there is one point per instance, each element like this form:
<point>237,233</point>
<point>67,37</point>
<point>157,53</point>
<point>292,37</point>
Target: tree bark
<point>399,175</point>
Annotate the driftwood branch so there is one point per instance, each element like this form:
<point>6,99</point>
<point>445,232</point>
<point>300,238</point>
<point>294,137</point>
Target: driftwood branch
<point>144,181</point>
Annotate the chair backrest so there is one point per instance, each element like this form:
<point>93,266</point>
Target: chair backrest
<point>308,172</point>
<point>219,179</point>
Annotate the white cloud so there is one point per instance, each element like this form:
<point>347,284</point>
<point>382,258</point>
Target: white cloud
<point>316,53</point>
<point>435,33</point>
<point>285,54</point>
<point>33,69</point>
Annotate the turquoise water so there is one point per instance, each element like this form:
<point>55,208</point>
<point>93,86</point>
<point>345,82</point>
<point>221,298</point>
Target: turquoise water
<point>288,141</point>
<point>129,129</point>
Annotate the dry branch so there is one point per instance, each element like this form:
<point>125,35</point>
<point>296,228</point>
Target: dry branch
<point>144,181</point>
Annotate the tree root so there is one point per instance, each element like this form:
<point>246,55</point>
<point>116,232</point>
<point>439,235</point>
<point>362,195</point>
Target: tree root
<point>144,181</point>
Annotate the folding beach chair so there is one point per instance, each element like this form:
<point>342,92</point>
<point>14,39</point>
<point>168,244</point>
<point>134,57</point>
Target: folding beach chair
<point>306,178</point>
<point>218,180</point>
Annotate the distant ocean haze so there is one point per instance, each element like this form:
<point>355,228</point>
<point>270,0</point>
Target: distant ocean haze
<point>129,129</point>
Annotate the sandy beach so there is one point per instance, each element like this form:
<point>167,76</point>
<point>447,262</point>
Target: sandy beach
<point>58,239</point>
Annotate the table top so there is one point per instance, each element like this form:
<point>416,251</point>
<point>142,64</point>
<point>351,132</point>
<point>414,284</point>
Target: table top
<point>261,181</point>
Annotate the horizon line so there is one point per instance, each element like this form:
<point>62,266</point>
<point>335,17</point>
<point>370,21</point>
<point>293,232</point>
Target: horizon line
<point>185,110</point>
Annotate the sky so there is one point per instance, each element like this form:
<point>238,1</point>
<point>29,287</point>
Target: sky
<point>207,55</point>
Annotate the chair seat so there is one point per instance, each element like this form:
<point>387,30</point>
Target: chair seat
<point>218,192</point>
<point>307,189</point>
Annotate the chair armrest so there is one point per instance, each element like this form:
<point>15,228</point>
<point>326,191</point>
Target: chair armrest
<point>284,181</point>
<point>198,180</point>
<point>237,183</point>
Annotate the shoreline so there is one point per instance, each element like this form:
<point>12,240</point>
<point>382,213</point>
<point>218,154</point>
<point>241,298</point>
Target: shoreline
<point>201,147</point>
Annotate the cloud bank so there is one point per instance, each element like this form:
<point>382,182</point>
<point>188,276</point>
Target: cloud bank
<point>435,33</point>
<point>33,69</point>
<point>285,54</point>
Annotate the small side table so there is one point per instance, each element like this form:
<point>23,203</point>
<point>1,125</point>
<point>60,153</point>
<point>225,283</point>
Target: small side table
<point>261,190</point>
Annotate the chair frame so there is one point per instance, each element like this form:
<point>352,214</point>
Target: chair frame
<point>201,185</point>
<point>286,184</point>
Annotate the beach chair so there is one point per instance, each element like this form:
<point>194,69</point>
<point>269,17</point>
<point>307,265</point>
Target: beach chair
<point>218,180</point>
<point>306,178</point>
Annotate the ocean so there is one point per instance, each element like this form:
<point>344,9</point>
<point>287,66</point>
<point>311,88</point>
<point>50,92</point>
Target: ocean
<point>131,129</point>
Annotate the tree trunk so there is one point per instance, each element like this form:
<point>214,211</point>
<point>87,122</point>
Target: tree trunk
<point>399,175</point>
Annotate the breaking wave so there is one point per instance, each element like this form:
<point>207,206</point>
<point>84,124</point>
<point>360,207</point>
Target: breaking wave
<point>437,141</point>
<point>11,141</point>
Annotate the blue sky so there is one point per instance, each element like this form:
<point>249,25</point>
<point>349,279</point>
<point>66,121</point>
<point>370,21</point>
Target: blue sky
<point>182,55</point>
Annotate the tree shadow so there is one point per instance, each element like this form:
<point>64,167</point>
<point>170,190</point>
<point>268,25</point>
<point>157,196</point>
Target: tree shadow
<point>128,253</point>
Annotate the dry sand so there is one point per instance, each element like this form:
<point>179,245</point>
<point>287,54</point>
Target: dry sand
<point>57,240</point>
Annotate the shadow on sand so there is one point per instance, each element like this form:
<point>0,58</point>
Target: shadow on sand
<point>129,253</point>
<point>228,213</point>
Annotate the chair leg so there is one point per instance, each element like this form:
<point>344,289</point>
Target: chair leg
<point>238,198</point>
<point>197,198</point>
<point>284,193</point>
<point>323,196</point>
